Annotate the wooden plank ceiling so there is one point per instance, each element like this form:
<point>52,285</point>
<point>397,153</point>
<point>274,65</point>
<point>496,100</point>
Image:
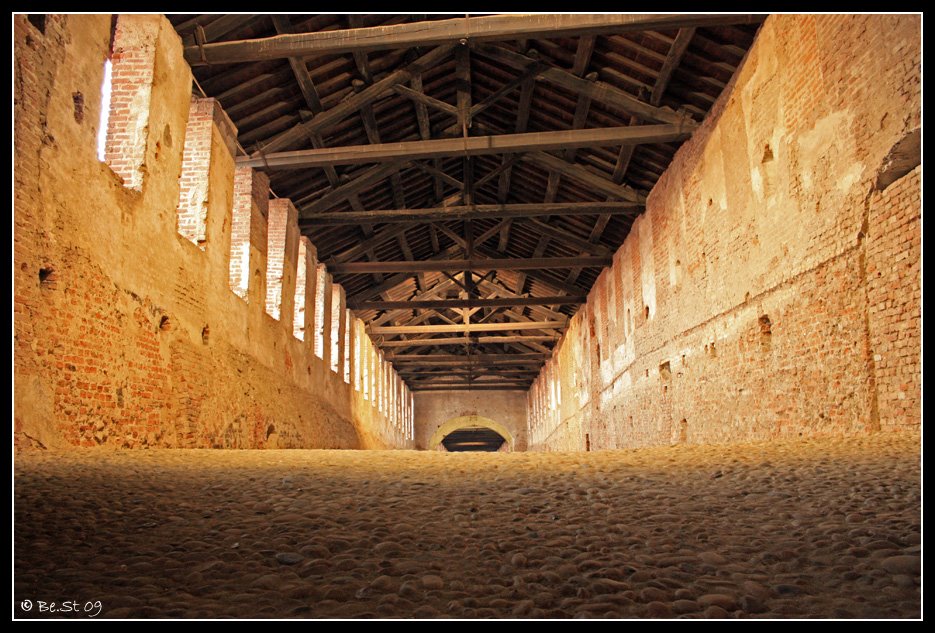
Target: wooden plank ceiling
<point>465,178</point>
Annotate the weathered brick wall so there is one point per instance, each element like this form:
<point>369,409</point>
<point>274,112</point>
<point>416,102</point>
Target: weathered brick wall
<point>745,303</point>
<point>126,333</point>
<point>894,296</point>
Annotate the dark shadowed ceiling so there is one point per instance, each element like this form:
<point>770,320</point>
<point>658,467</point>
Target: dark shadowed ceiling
<point>417,147</point>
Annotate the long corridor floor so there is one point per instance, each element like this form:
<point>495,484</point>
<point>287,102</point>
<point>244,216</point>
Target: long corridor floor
<point>808,528</point>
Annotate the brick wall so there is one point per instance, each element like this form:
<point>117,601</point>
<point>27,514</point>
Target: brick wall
<point>125,335</point>
<point>769,289</point>
<point>894,297</point>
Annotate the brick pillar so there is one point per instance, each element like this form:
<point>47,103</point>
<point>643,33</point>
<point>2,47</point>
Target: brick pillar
<point>372,369</point>
<point>337,329</point>
<point>350,345</point>
<point>400,394</point>
<point>203,116</point>
<point>323,316</point>
<point>248,233</point>
<point>383,393</point>
<point>281,256</point>
<point>364,362</point>
<point>304,301</point>
<point>387,387</point>
<point>133,62</point>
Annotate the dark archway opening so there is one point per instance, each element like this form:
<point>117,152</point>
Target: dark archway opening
<point>476,439</point>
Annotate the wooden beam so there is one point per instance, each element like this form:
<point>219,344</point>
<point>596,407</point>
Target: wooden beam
<point>469,381</point>
<point>354,102</point>
<point>623,158</point>
<point>424,99</point>
<point>422,113</point>
<point>559,285</point>
<point>477,371</point>
<point>460,358</point>
<point>522,121</point>
<point>580,116</point>
<point>425,133</point>
<point>473,146</point>
<point>360,57</point>
<point>469,388</point>
<point>369,119</point>
<point>496,360</point>
<point>497,289</point>
<point>479,29</point>
<point>583,54</point>
<point>460,327</point>
<point>528,263</point>
<point>437,173</point>
<point>528,74</point>
<point>508,162</point>
<point>218,28</point>
<point>502,361</point>
<point>400,278</point>
<point>299,68</point>
<point>504,240</point>
<point>318,142</point>
<point>679,46</point>
<point>471,340</point>
<point>457,239</point>
<point>383,235</point>
<point>309,93</point>
<point>596,90</point>
<point>566,237</point>
<point>367,179</point>
<point>461,379</point>
<point>390,315</point>
<point>466,212</point>
<point>444,304</point>
<point>541,245</point>
<point>585,176</point>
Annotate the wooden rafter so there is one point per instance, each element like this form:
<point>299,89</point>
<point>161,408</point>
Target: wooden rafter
<point>473,146</point>
<point>472,212</point>
<point>585,176</point>
<point>596,90</point>
<point>470,340</point>
<point>679,46</point>
<point>367,179</point>
<point>507,387</point>
<point>439,304</point>
<point>216,28</point>
<point>515,263</point>
<point>479,29</point>
<point>464,358</point>
<point>354,102</point>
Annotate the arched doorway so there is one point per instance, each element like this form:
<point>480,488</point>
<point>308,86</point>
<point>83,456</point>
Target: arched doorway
<point>467,430</point>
